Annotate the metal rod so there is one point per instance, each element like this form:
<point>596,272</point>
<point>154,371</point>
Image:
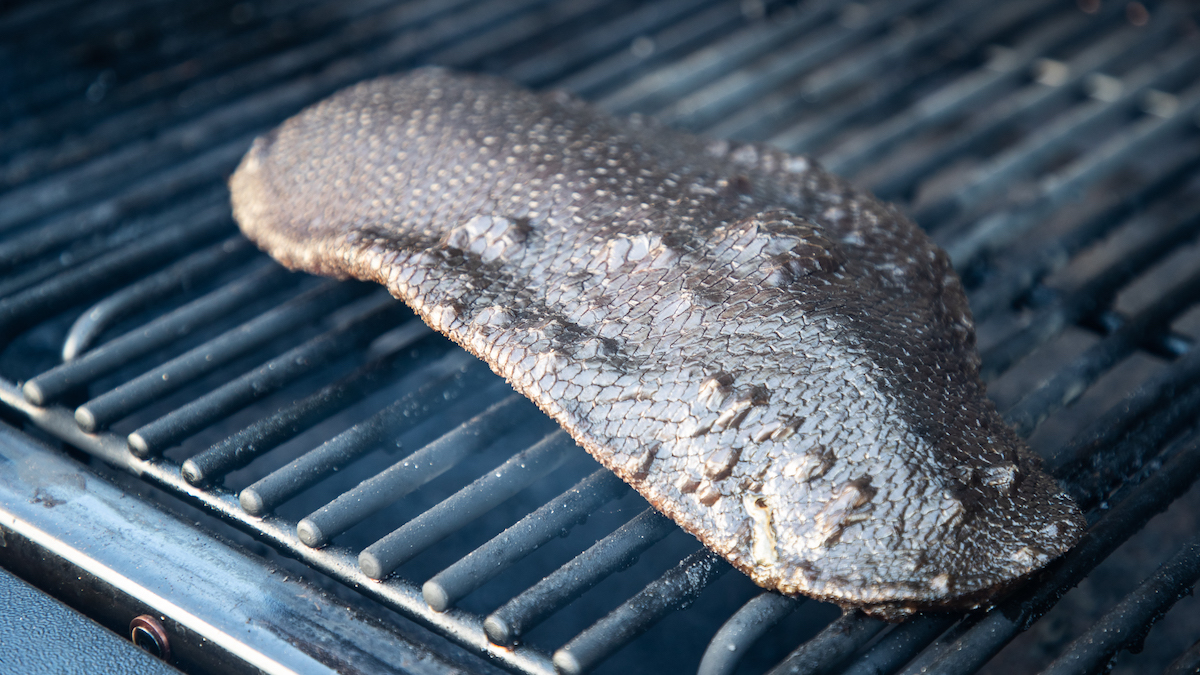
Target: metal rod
<point>410,473</point>
<point>1050,320</point>
<point>660,86</point>
<point>1005,69</point>
<point>151,439</point>
<point>1069,382</point>
<point>613,35</point>
<point>194,74</point>
<point>406,413</point>
<point>54,383</point>
<point>901,56</point>
<point>450,515</point>
<point>122,196</point>
<point>88,327</point>
<point>717,98</point>
<point>1125,625</point>
<point>832,646</point>
<point>899,645</point>
<point>676,589</point>
<point>611,554</point>
<point>610,73</point>
<point>969,239</point>
<point>94,278</point>
<point>264,435</point>
<point>1039,147</point>
<point>553,519</point>
<point>1033,101</point>
<point>1188,662</point>
<point>113,405</point>
<point>1018,273</point>
<point>106,225</point>
<point>743,629</point>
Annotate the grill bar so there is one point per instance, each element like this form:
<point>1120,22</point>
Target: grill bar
<point>653,91</point>
<point>552,519</point>
<point>464,627</point>
<point>1188,662</point>
<point>506,625</point>
<point>675,589</point>
<point>92,279</point>
<point>243,447</point>
<point>551,64</point>
<point>901,644</point>
<point>118,403</point>
<point>743,629</point>
<point>305,471</point>
<point>1057,83</point>
<point>609,74</point>
<point>1070,381</point>
<point>410,473</point>
<point>1018,276</point>
<point>864,67</point>
<point>487,492</point>
<point>151,439</point>
<point>183,274</point>
<point>1164,407</point>
<point>50,386</point>
<point>1110,100</point>
<point>1089,298</point>
<point>1066,184</point>
<point>243,118</point>
<point>143,100</point>
<point>1122,627</point>
<point>716,100</point>
<point>832,646</point>
<point>1003,70</point>
<point>89,248</point>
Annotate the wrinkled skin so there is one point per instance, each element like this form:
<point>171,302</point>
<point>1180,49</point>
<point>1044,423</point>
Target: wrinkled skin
<point>783,365</point>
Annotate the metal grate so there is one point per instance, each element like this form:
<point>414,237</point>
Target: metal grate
<point>1052,149</point>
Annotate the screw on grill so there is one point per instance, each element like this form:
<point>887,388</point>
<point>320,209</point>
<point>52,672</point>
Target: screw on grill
<point>148,633</point>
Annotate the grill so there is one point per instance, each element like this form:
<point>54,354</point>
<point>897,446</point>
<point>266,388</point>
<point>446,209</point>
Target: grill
<point>295,475</point>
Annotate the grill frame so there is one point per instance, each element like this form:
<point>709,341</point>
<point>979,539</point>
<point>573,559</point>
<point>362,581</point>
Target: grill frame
<point>168,168</point>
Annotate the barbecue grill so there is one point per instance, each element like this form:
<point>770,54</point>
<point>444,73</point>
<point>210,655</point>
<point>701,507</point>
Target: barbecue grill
<point>205,445</point>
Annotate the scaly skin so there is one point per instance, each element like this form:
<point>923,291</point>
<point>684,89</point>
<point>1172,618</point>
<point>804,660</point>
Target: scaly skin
<point>783,365</point>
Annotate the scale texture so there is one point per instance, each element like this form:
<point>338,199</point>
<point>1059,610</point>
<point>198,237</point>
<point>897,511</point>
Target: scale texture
<point>783,365</point>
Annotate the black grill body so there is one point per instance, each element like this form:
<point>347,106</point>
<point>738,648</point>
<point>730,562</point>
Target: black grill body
<point>196,436</point>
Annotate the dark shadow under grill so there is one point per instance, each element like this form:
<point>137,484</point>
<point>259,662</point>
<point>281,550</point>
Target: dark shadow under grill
<point>1051,148</point>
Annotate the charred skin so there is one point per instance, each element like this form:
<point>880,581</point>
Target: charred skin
<point>783,365</point>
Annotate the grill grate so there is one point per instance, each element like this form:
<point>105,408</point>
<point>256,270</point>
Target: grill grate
<point>1024,136</point>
